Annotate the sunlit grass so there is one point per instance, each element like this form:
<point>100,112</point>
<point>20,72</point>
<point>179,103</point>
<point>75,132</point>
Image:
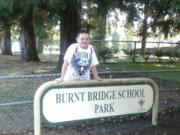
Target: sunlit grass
<point>171,76</point>
<point>141,66</point>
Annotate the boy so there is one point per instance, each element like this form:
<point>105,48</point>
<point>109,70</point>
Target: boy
<point>79,59</point>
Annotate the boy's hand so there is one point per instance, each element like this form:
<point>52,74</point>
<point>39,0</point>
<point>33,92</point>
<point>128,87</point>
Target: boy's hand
<point>59,80</point>
<point>98,78</point>
<point>95,74</point>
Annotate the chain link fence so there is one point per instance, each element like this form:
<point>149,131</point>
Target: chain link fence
<point>16,103</point>
<point>131,51</point>
<point>122,51</point>
<point>17,92</point>
<point>115,51</point>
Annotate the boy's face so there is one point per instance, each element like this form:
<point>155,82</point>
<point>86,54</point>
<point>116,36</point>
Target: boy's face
<point>83,40</point>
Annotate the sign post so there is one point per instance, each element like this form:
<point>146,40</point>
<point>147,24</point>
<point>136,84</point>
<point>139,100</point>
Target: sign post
<point>81,100</point>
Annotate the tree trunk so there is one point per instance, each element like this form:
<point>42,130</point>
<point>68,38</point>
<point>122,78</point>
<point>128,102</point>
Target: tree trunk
<point>69,27</point>
<point>145,27</point>
<point>27,38</point>
<point>144,37</point>
<point>6,40</point>
<point>39,44</point>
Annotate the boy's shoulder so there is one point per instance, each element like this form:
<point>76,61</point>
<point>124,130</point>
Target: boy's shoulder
<point>73,46</point>
<point>91,46</point>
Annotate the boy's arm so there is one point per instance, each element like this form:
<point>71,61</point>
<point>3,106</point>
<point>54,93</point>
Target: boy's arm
<point>95,73</point>
<point>63,71</point>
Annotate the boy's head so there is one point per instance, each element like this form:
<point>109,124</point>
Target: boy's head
<point>83,39</point>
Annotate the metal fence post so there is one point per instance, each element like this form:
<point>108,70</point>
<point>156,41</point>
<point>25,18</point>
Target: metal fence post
<point>134,53</point>
<point>110,74</point>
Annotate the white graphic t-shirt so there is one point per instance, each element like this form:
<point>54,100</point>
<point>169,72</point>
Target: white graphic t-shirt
<point>80,61</point>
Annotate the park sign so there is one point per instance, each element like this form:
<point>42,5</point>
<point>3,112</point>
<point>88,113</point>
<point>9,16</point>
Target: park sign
<point>81,100</point>
<point>69,104</point>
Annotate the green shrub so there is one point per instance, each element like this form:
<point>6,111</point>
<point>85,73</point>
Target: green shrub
<point>146,55</point>
<point>177,51</point>
<point>158,53</point>
<point>106,53</point>
<point>130,53</point>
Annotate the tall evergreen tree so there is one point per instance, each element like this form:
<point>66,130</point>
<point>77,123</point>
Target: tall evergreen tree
<point>6,12</point>
<point>68,12</point>
<point>163,16</point>
<point>25,10</point>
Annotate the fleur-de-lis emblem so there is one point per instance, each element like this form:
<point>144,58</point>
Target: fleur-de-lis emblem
<point>141,102</point>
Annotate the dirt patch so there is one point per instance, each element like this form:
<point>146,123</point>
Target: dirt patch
<point>13,65</point>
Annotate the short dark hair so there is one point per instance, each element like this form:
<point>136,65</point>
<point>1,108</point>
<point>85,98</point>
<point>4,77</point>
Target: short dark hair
<point>82,32</point>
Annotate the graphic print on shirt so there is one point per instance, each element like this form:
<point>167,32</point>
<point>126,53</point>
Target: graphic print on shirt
<point>81,62</point>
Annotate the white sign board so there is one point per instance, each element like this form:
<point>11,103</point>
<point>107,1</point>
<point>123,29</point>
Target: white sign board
<point>70,104</point>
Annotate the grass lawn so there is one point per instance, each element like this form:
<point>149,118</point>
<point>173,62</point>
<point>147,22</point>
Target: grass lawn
<point>169,75</point>
<point>141,66</point>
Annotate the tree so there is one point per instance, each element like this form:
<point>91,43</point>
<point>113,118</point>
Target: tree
<point>69,27</point>
<point>166,18</point>
<point>99,15</point>
<point>6,46</point>
<point>144,9</point>
<point>27,37</point>
<point>68,12</point>
<point>24,11</point>
<point>5,13</point>
<point>158,17</point>
<point>145,26</point>
<point>44,23</point>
